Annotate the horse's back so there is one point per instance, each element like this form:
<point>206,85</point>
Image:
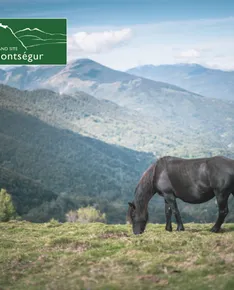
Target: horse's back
<point>194,180</point>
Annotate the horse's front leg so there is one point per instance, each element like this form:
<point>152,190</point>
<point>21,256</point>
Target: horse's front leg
<point>171,201</point>
<point>222,200</point>
<point>168,213</point>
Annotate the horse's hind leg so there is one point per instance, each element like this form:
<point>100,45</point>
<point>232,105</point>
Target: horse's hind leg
<point>171,201</point>
<point>168,213</point>
<point>222,200</point>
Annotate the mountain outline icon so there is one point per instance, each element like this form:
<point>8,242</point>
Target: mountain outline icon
<point>31,37</point>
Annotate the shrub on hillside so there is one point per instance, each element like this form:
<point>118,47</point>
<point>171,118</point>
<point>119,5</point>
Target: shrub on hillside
<point>86,215</point>
<point>7,209</point>
<point>72,216</point>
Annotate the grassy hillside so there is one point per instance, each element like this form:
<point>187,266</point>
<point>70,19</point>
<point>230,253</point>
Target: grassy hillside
<point>98,256</point>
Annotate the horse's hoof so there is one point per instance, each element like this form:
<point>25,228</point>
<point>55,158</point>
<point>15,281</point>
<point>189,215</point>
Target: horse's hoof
<point>169,229</point>
<point>179,229</point>
<point>215,230</point>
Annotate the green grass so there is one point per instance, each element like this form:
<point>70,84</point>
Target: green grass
<point>98,256</point>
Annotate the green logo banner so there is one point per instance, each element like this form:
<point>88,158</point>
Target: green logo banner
<point>33,41</point>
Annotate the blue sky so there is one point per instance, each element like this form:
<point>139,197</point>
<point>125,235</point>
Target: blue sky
<point>118,12</point>
<point>125,33</point>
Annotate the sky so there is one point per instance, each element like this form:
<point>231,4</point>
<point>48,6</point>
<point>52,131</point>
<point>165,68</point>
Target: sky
<point>123,34</point>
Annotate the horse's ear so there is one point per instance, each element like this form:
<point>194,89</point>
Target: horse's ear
<point>132,205</point>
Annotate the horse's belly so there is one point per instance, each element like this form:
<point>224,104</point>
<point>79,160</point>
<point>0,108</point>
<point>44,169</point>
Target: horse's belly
<point>195,196</point>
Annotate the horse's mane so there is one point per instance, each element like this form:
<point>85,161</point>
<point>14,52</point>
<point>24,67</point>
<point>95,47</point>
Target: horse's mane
<point>145,186</point>
<point>147,177</point>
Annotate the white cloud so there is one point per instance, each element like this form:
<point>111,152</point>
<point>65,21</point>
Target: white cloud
<point>191,53</point>
<point>98,42</point>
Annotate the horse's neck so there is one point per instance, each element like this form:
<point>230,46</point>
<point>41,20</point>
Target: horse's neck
<point>145,189</point>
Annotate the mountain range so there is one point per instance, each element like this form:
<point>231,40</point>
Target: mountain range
<point>213,83</point>
<point>84,133</point>
<point>162,118</point>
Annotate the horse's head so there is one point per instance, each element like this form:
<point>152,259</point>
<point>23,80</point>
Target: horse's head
<point>138,221</point>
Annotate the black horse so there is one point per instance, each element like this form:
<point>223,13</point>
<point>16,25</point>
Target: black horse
<point>192,180</point>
